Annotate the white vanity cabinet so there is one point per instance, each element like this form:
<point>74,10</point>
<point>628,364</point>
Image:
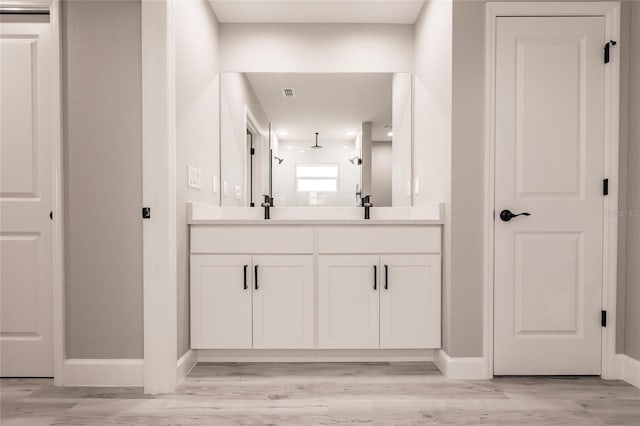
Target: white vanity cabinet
<point>282,287</point>
<point>252,287</point>
<point>262,301</point>
<point>388,301</point>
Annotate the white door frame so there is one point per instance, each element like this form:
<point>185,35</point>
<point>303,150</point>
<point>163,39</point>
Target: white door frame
<point>159,193</point>
<point>611,12</point>
<point>57,200</point>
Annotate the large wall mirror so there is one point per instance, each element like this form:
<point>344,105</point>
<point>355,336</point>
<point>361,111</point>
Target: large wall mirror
<point>315,139</point>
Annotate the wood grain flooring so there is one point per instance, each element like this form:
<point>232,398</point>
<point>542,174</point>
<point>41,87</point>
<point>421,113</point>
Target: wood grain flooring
<point>375,394</point>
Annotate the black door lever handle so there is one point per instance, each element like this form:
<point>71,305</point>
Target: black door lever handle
<point>507,215</point>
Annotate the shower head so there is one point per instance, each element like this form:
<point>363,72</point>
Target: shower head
<point>355,159</point>
<point>280,160</point>
<point>316,145</point>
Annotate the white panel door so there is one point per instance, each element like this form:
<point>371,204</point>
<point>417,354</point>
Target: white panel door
<point>26,309</point>
<point>549,163</point>
<point>348,302</point>
<point>221,301</point>
<point>283,309</point>
<point>410,299</point>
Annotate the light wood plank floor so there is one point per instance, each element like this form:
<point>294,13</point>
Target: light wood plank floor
<point>327,394</point>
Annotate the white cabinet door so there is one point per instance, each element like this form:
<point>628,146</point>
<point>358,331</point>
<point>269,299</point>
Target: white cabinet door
<point>410,301</point>
<point>220,301</point>
<point>349,302</point>
<point>283,309</point>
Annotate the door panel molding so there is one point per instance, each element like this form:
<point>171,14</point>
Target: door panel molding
<point>611,13</point>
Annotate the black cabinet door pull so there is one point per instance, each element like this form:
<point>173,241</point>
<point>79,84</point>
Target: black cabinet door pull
<point>255,269</point>
<point>386,277</point>
<point>375,277</point>
<point>245,276</point>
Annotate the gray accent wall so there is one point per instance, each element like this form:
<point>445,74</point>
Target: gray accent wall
<point>467,181</point>
<point>197,130</point>
<point>631,210</point>
<point>102,142</point>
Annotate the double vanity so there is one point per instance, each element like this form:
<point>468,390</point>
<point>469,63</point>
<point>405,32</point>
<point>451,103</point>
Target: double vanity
<point>344,263</point>
<point>321,278</point>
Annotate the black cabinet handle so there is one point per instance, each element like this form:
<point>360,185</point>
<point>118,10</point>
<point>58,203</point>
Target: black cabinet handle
<point>375,277</point>
<point>245,276</point>
<point>386,277</point>
<point>255,269</point>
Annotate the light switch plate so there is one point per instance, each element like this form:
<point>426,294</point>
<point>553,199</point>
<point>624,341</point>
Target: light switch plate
<point>225,188</point>
<point>238,194</point>
<point>416,187</point>
<point>194,177</point>
<point>215,185</point>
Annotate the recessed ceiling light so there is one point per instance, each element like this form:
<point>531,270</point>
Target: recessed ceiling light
<point>346,147</point>
<point>302,151</point>
<point>390,134</point>
<point>283,133</point>
<point>351,133</point>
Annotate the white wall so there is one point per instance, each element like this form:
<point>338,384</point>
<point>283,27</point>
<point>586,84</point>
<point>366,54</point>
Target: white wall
<point>197,129</point>
<point>236,93</point>
<point>316,48</point>
<point>432,125</point>
<point>102,144</point>
<point>402,123</point>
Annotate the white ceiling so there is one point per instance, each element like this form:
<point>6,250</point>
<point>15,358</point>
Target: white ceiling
<point>318,11</point>
<point>331,104</point>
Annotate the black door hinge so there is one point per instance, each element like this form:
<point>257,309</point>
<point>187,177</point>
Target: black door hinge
<point>51,215</point>
<point>605,187</point>
<point>253,151</point>
<point>146,212</point>
<point>607,48</point>
<point>603,318</point>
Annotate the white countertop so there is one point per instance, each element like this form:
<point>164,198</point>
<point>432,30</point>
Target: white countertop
<point>206,214</point>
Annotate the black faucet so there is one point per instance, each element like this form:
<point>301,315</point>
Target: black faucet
<point>367,204</point>
<point>268,203</point>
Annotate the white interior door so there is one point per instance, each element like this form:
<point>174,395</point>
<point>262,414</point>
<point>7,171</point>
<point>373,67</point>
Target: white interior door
<point>221,301</point>
<point>549,162</point>
<point>349,302</point>
<point>283,309</point>
<point>26,309</point>
<point>410,301</point>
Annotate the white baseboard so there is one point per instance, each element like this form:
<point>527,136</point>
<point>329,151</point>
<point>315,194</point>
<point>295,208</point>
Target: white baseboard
<point>186,364</point>
<point>314,355</point>
<point>103,372</point>
<point>457,368</point>
<point>628,369</point>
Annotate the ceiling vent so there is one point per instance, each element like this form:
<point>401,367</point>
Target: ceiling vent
<point>288,92</point>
